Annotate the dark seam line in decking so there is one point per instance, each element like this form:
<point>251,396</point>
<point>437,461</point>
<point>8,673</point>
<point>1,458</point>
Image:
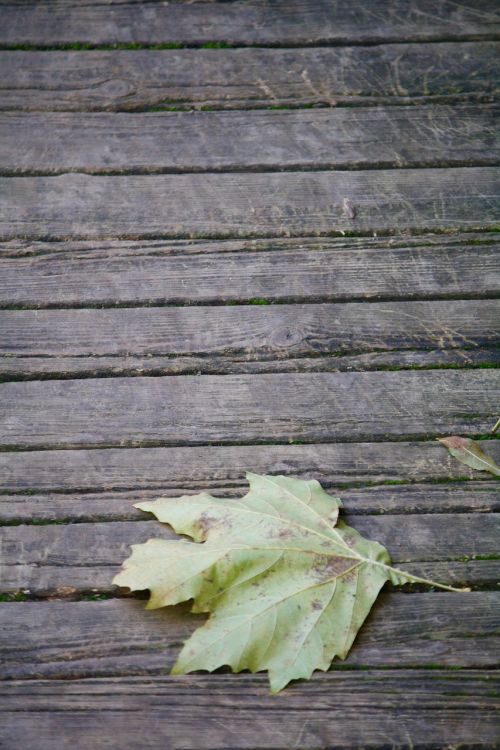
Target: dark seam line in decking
<point>218,45</point>
<point>254,169</point>
<point>314,440</point>
<point>68,520</point>
<point>262,358</point>
<point>238,488</point>
<point>229,302</point>
<point>481,97</point>
<point>142,672</point>
<point>488,236</point>
<point>265,235</point>
<point>401,234</point>
<point>158,371</point>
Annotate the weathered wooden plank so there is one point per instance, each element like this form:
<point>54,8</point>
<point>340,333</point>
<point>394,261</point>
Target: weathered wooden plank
<point>244,78</point>
<point>249,332</point>
<point>282,22</point>
<point>176,471</point>
<point>86,556</point>
<point>44,274</point>
<point>30,368</point>
<point>212,409</point>
<point>91,639</point>
<point>205,141</point>
<point>60,581</point>
<point>117,505</point>
<point>248,204</point>
<point>338,709</point>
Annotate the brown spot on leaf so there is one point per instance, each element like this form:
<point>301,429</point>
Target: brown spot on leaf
<point>316,604</point>
<point>327,568</point>
<point>206,522</point>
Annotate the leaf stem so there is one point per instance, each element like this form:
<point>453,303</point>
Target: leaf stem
<point>417,579</point>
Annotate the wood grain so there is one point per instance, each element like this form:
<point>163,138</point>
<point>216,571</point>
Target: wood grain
<point>340,709</point>
<point>147,411</point>
<point>251,332</point>
<point>44,274</point>
<point>117,505</point>
<point>282,22</point>
<point>101,143</point>
<point>180,470</point>
<point>67,640</point>
<point>244,78</point>
<point>249,204</point>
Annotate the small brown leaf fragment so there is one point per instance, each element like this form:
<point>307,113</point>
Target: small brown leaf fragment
<point>468,452</point>
<point>349,209</point>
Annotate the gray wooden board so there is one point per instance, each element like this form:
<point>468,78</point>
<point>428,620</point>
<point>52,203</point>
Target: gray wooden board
<point>86,556</point>
<point>44,274</point>
<point>179,470</point>
<point>248,204</point>
<point>338,709</point>
<point>283,139</point>
<point>60,639</point>
<point>253,331</point>
<point>245,78</point>
<point>117,505</point>
<point>29,368</point>
<point>282,22</point>
<point>214,409</point>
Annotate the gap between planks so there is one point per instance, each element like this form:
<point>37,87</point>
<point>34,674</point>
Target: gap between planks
<point>54,368</point>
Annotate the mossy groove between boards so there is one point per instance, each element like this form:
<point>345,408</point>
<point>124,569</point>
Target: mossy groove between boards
<point>71,368</point>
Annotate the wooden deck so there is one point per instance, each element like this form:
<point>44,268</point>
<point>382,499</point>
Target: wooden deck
<point>246,235</point>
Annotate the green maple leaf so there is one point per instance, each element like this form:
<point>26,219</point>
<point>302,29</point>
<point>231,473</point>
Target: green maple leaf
<point>288,585</point>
